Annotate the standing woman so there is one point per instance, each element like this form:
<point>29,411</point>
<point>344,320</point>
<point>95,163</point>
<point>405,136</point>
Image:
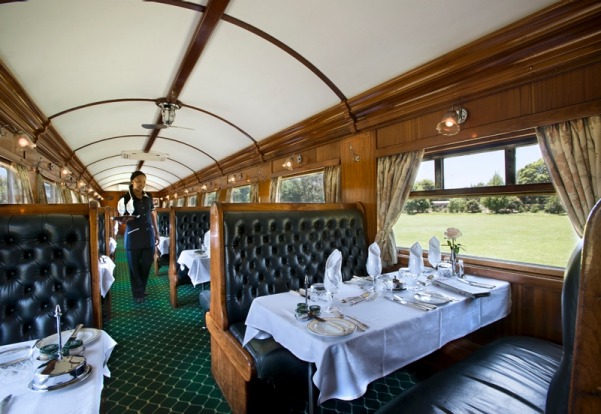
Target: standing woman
<point>141,233</point>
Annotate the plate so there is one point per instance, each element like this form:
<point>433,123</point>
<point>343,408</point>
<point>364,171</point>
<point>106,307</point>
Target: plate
<point>86,335</point>
<point>326,328</point>
<point>72,381</point>
<point>14,355</point>
<point>430,297</point>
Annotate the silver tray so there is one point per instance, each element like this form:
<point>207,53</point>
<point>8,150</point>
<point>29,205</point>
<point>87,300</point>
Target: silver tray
<point>73,381</point>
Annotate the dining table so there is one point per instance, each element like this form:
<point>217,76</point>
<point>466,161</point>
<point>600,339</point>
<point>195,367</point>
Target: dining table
<point>163,246</point>
<point>397,333</point>
<point>198,264</point>
<point>78,397</point>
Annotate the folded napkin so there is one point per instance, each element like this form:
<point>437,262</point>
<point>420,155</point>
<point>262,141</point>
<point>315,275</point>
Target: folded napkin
<point>374,263</point>
<point>434,256</point>
<point>416,260</point>
<point>207,242</point>
<point>333,276</point>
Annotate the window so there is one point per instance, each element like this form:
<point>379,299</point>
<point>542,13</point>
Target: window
<point>192,200</point>
<point>11,190</point>
<point>240,194</point>
<point>209,198</point>
<point>500,198</point>
<point>306,188</point>
<point>52,193</point>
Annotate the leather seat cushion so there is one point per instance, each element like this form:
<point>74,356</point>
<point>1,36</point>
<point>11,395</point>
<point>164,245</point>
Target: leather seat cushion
<point>510,375</point>
<point>272,360</point>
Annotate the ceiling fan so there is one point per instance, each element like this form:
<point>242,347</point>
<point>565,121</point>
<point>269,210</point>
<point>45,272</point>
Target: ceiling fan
<point>167,116</point>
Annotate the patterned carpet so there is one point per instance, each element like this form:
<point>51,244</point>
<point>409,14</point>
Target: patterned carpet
<point>162,362</point>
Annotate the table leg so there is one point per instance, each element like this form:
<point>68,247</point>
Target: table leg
<point>310,397</point>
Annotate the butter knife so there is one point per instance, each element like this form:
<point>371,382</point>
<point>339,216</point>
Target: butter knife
<point>475,284</point>
<point>73,336</point>
<point>4,403</point>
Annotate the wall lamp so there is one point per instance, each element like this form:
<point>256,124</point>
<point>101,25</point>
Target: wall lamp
<point>23,140</point>
<point>288,163</point>
<point>356,157</point>
<point>451,121</point>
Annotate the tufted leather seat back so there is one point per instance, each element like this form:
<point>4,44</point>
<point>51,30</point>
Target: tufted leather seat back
<point>559,389</point>
<point>191,224</point>
<point>163,221</point>
<point>45,260</point>
<point>269,252</point>
<point>102,233</point>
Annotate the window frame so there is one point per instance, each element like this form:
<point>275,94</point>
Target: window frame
<point>477,265</point>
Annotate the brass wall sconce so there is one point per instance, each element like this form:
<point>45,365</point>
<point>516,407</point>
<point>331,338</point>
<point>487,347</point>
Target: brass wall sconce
<point>203,187</point>
<point>356,157</point>
<point>23,140</point>
<point>288,163</point>
<point>451,121</point>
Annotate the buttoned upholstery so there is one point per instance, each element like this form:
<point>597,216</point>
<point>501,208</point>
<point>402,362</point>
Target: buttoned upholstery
<point>270,253</point>
<point>189,224</point>
<point>46,260</point>
<point>162,260</point>
<point>263,249</point>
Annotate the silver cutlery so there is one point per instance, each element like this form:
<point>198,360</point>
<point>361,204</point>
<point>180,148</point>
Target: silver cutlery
<point>356,299</point>
<point>327,322</point>
<point>360,325</point>
<point>475,284</point>
<point>426,305</point>
<point>437,295</point>
<point>398,299</point>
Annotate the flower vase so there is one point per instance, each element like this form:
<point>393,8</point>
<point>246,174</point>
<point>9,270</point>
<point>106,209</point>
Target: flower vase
<point>454,263</point>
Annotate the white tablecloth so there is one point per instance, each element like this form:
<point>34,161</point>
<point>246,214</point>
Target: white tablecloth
<point>80,398</point>
<point>199,266</point>
<point>106,267</point>
<point>112,245</point>
<point>398,334</point>
<point>163,245</point>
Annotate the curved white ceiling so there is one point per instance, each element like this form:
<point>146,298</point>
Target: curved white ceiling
<point>96,68</point>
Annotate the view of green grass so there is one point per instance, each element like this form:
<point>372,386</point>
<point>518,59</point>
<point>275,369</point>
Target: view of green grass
<point>539,238</point>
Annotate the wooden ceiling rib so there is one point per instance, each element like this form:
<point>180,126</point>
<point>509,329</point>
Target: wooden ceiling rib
<point>210,18</point>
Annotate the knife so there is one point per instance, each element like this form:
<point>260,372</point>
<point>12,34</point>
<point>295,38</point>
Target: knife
<point>73,336</point>
<point>398,299</point>
<point>424,305</point>
<point>475,284</point>
<point>4,403</point>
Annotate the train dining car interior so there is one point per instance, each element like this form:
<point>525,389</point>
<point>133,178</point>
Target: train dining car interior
<point>320,206</point>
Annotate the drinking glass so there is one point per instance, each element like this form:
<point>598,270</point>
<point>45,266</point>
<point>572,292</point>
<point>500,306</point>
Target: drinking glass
<point>416,267</point>
<point>332,281</point>
<point>374,268</point>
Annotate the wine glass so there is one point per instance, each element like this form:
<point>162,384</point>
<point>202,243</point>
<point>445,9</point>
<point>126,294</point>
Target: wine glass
<point>374,268</point>
<point>416,267</point>
<point>332,281</point>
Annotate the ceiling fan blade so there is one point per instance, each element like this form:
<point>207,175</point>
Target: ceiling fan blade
<point>154,126</point>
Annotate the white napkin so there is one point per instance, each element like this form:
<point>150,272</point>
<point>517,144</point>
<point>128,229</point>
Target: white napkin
<point>416,261</point>
<point>333,276</point>
<point>434,252</point>
<point>207,242</point>
<point>374,263</point>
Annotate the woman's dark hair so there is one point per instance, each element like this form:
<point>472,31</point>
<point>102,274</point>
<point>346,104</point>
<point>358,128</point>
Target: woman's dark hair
<point>136,174</point>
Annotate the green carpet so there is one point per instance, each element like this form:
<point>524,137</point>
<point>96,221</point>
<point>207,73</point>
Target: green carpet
<point>162,361</point>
